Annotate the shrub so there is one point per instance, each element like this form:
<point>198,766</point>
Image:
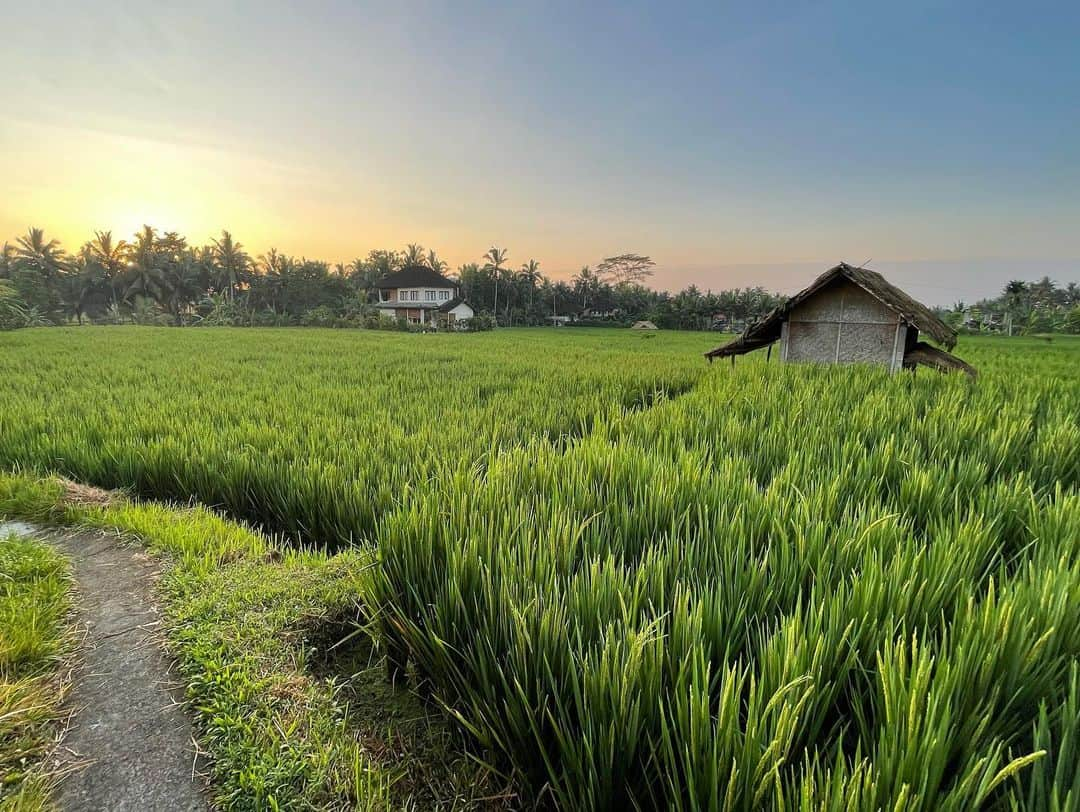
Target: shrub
<point>321,316</point>
<point>13,310</point>
<point>478,323</point>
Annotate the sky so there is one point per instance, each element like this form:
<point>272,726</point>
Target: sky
<point>735,143</point>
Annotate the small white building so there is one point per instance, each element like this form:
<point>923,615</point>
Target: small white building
<point>422,296</point>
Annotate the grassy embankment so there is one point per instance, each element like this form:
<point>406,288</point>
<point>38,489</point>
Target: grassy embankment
<point>35,639</point>
<point>289,700</point>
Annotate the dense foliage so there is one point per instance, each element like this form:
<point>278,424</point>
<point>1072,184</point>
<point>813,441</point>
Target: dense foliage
<point>636,578</point>
<point>160,279</point>
<point>1042,306</point>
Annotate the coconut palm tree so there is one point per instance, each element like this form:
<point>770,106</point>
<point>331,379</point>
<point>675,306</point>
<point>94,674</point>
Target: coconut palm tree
<point>86,285</point>
<point>144,270</point>
<point>365,273</point>
<point>1016,295</point>
<point>414,255</point>
<point>435,263</point>
<point>7,260</point>
<point>112,257</point>
<point>495,258</point>
<point>270,283</point>
<point>530,275</point>
<point>37,266</point>
<point>1072,294</point>
<point>232,263</point>
<point>586,283</point>
<point>180,284</point>
<point>46,255</point>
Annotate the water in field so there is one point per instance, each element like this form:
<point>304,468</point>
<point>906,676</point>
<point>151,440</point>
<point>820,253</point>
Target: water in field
<point>15,528</point>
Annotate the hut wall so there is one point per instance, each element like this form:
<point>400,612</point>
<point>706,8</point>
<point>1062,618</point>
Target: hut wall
<point>843,324</point>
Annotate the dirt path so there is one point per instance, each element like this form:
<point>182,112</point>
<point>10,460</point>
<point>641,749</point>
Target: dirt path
<point>130,742</point>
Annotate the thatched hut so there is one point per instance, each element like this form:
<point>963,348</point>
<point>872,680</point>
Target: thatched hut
<point>851,315</point>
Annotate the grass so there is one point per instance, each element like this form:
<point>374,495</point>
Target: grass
<point>325,431</point>
<point>265,639</point>
<point>631,579</point>
<point>34,639</point>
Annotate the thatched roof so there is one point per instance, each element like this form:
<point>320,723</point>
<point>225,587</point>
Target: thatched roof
<point>767,330</point>
<point>922,354</point>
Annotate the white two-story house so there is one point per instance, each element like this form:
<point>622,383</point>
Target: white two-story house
<point>422,296</point>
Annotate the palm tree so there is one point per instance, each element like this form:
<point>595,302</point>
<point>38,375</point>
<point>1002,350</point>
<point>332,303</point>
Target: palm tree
<point>467,280</point>
<point>1072,294</point>
<point>414,254</point>
<point>180,284</point>
<point>1015,287</point>
<point>276,267</point>
<point>365,273</point>
<point>1016,292</point>
<point>34,248</point>
<point>530,275</point>
<point>7,260</point>
<point>144,270</point>
<point>436,264</point>
<point>232,263</point>
<point>86,283</point>
<point>36,267</point>
<point>495,258</point>
<point>111,257</point>
<point>586,282</point>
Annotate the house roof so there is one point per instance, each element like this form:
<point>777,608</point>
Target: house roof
<point>767,330</point>
<point>446,307</point>
<point>415,276</point>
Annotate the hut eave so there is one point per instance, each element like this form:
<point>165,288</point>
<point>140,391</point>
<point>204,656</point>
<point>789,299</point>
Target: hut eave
<point>923,354</point>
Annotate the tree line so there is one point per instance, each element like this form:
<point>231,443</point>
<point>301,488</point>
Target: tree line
<point>1042,306</point>
<point>159,278</point>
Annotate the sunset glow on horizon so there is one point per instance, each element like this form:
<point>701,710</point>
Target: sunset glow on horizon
<point>733,146</point>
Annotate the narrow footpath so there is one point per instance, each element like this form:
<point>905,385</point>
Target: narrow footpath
<point>130,743</point>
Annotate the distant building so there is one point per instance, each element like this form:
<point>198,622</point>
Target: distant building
<point>422,296</point>
<point>851,315</point>
<point>600,313</point>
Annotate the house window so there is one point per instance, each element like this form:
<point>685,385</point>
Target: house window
<point>444,295</point>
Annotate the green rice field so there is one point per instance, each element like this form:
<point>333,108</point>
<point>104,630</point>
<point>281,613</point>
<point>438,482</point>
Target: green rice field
<point>634,579</point>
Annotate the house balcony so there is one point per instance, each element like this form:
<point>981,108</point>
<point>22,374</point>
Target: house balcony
<point>425,304</point>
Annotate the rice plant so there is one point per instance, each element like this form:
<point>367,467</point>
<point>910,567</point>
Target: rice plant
<point>634,579</point>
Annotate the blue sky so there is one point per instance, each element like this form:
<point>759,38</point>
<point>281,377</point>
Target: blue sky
<point>735,143</point>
